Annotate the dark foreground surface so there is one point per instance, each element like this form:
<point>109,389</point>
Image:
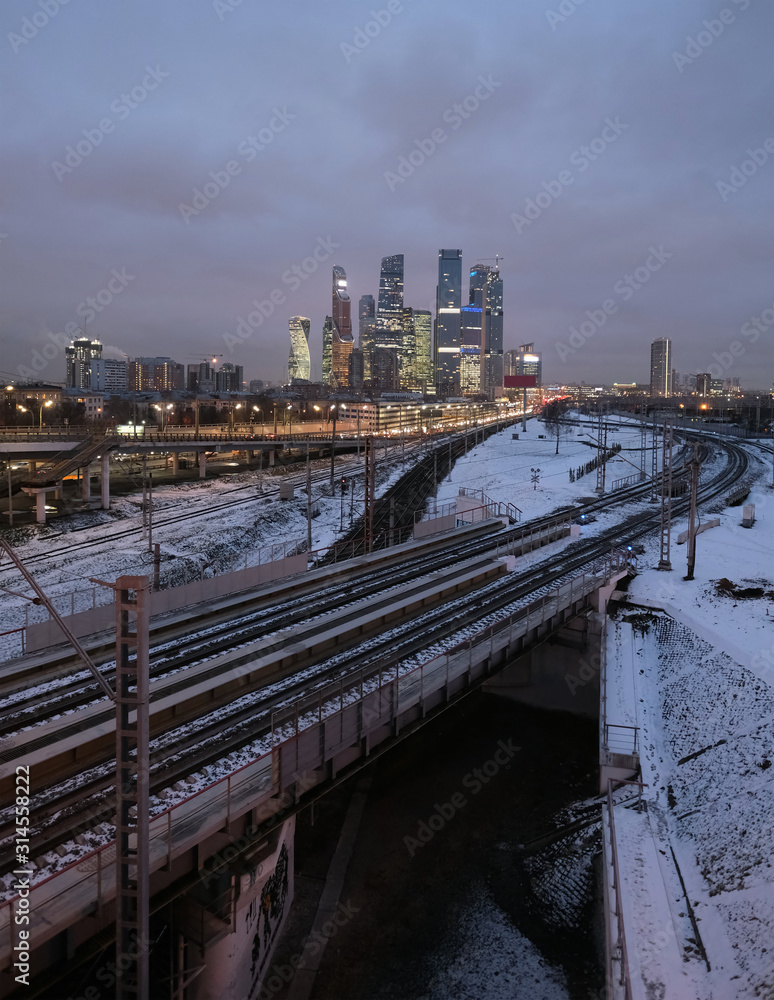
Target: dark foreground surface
<point>443,903</point>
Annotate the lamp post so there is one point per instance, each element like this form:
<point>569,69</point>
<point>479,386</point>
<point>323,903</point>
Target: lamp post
<point>163,411</point>
<point>332,410</point>
<point>29,409</point>
<point>257,409</point>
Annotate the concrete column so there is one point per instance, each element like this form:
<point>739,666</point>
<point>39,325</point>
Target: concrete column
<point>86,482</point>
<point>40,506</point>
<point>33,466</point>
<point>105,481</point>
<point>60,490</point>
<point>175,463</point>
<point>271,458</point>
<point>202,465</point>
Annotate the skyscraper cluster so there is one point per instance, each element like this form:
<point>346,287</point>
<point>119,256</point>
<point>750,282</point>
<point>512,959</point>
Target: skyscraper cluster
<point>403,349</point>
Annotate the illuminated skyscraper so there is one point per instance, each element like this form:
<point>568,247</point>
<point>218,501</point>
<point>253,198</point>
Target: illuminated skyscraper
<point>389,314</point>
<point>661,367</point>
<point>447,322</point>
<point>327,356</point>
<point>343,341</point>
<point>366,332</point>
<point>78,356</point>
<point>424,375</point>
<point>486,299</point>
<point>299,360</point>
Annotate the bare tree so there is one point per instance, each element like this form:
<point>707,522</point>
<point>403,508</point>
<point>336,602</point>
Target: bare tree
<point>554,416</point>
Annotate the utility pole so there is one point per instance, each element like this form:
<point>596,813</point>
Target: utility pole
<point>150,512</point>
<point>392,521</point>
<point>654,460</point>
<point>665,562</point>
<point>643,443</point>
<point>10,498</point>
<point>601,451</point>
<point>333,453</point>
<point>144,500</point>
<point>308,500</point>
<point>695,468</point>
<point>370,478</point>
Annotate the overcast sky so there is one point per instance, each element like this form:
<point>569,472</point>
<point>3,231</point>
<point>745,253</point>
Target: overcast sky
<point>667,106</point>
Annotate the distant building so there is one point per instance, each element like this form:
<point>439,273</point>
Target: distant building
<point>93,402</point>
<point>661,367</point>
<point>78,357</point>
<point>448,299</point>
<point>256,385</point>
<point>327,355</point>
<point>389,312</point>
<point>230,378</point>
<point>385,369</point>
<point>299,360</point>
<point>155,374</point>
<point>524,361</point>
<point>366,331</point>
<point>356,370</point>
<point>109,375</point>
<point>424,375</point>
<point>342,341</point>
<point>704,384</point>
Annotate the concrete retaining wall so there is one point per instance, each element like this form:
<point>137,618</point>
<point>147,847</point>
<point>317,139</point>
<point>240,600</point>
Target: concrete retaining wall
<point>99,619</point>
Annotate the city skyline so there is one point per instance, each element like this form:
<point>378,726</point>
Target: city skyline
<point>169,189</point>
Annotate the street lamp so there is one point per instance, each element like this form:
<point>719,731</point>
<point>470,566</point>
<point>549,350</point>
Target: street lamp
<point>25,409</point>
<point>257,409</point>
<point>163,411</point>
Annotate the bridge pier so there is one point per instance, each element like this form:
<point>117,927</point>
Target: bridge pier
<point>105,482</point>
<point>33,466</point>
<point>271,458</point>
<point>86,483</point>
<point>60,490</point>
<point>202,464</point>
<point>175,463</point>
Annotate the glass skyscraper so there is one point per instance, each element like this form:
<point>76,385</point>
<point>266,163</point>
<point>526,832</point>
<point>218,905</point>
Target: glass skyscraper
<point>661,367</point>
<point>389,313</point>
<point>299,360</point>
<point>366,332</point>
<point>447,322</point>
<point>327,356</point>
<point>342,341</point>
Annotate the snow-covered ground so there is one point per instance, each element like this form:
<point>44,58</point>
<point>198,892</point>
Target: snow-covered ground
<point>216,541</point>
<point>698,679</point>
<point>699,684</point>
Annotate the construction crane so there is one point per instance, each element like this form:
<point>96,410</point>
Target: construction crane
<point>497,258</point>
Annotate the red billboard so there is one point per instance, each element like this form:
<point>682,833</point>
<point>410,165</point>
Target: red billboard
<point>519,381</point>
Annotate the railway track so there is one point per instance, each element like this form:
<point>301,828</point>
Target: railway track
<point>179,751</point>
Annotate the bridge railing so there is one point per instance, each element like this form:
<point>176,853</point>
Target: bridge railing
<point>300,738</point>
